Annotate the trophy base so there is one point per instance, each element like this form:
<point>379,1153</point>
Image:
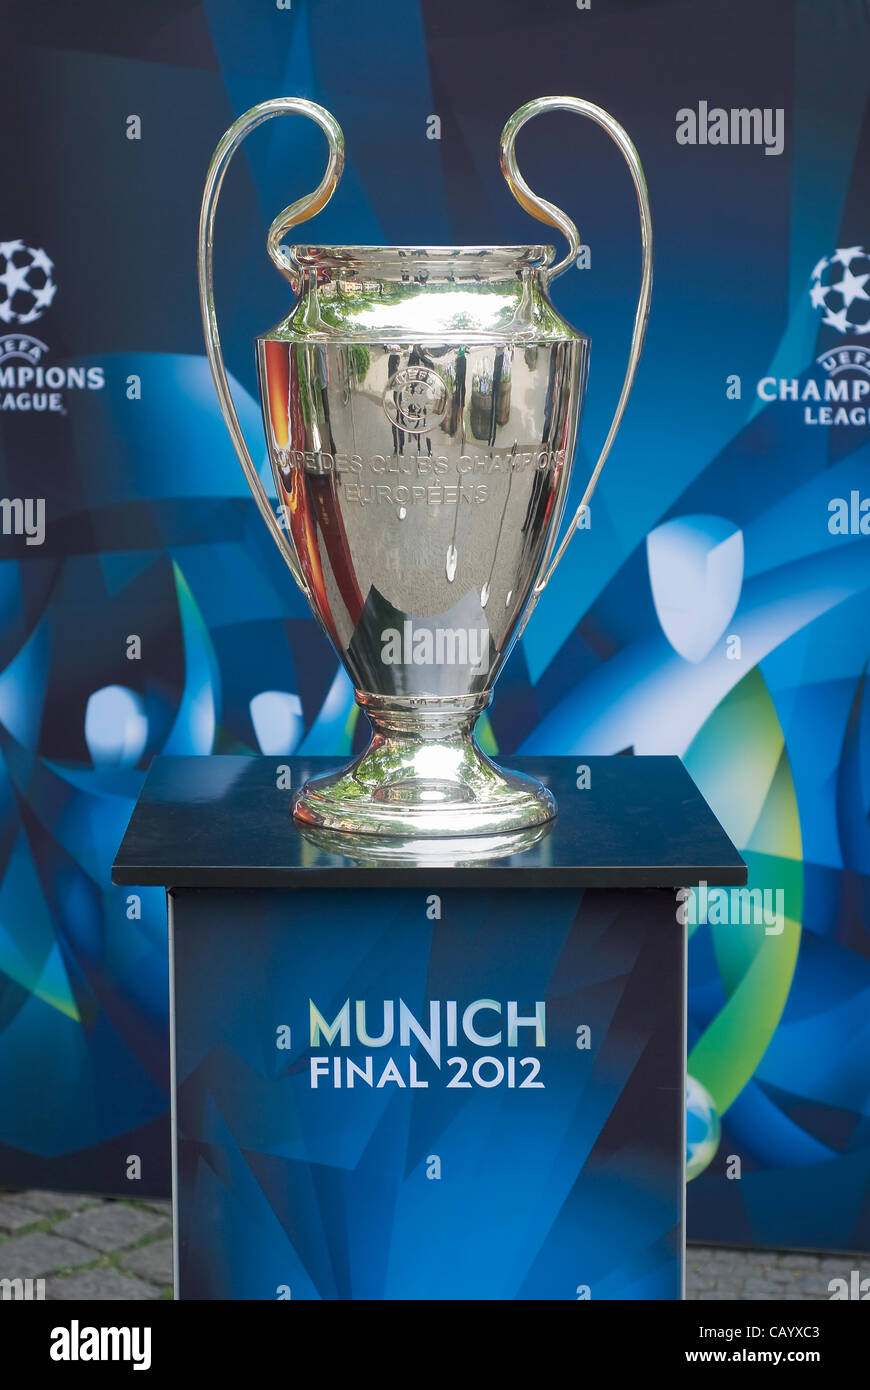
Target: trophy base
<point>423,775</point>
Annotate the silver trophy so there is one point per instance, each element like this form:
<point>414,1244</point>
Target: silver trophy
<point>421,406</point>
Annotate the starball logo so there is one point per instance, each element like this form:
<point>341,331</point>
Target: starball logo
<point>835,391</point>
<point>840,291</point>
<point>26,281</point>
<point>27,289</point>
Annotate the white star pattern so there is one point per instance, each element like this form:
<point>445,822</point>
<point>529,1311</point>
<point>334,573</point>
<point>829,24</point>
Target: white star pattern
<point>42,298</point>
<point>42,262</point>
<point>817,295</point>
<point>840,321</point>
<point>23,300</point>
<point>842,300</point>
<point>852,287</point>
<point>846,254</point>
<point>14,278</point>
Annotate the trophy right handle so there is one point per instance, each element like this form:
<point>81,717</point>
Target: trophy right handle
<point>297,212</point>
<point>555,217</point>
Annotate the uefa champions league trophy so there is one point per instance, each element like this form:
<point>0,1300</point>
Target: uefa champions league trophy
<point>421,406</point>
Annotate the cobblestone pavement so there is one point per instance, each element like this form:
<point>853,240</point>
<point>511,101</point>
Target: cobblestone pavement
<point>93,1248</point>
<point>87,1247</point>
<point>722,1273</point>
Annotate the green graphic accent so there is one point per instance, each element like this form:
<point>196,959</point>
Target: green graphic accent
<point>196,720</point>
<point>350,726</point>
<point>740,762</point>
<point>29,953</point>
<point>486,739</point>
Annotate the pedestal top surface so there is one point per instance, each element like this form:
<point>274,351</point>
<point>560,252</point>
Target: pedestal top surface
<point>225,822</point>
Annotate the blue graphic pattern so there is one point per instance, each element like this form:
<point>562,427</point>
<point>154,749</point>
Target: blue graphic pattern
<point>713,495</point>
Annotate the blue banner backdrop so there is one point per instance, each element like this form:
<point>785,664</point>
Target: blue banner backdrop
<point>717,606</point>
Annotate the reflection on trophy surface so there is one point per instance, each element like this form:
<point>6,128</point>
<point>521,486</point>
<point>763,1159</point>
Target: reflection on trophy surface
<point>421,407</point>
<point>435,852</point>
<point>418,544</point>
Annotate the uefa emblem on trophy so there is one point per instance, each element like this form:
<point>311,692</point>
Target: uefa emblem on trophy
<point>421,406</point>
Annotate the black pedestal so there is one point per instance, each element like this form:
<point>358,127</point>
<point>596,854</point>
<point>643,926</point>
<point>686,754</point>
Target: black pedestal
<point>445,1076</point>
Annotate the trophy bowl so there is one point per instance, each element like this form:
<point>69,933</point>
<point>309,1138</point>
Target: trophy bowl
<point>421,406</point>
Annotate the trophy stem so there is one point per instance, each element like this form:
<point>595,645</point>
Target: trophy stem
<point>423,773</point>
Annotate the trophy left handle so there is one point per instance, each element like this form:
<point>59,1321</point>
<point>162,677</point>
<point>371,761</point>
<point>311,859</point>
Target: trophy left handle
<point>297,212</point>
<point>554,217</point>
